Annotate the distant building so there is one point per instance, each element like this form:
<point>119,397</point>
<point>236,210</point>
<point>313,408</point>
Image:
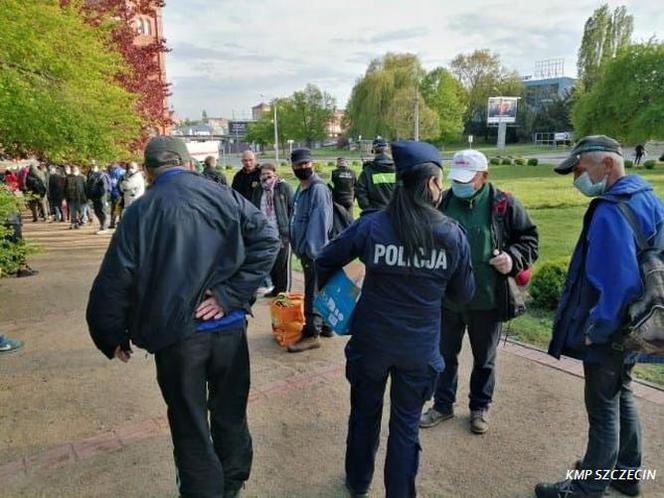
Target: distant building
<point>540,92</point>
<point>219,125</point>
<point>259,110</point>
<point>335,124</point>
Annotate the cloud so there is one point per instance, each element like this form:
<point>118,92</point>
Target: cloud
<point>386,36</point>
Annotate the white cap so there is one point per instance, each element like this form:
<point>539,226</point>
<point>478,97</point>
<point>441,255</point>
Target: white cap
<point>466,163</point>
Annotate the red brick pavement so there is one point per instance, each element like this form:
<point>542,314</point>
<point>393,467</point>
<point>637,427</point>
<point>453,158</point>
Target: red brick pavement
<point>105,442</point>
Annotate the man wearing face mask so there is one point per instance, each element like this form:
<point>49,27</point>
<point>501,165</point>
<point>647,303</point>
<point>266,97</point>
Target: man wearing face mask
<point>275,200</point>
<point>309,230</point>
<point>603,278</point>
<point>503,242</point>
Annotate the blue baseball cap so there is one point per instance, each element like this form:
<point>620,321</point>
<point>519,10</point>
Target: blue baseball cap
<point>409,153</point>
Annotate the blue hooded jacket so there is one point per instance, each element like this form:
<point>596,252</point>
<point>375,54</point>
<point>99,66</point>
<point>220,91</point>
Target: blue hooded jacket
<point>311,221</point>
<point>116,175</point>
<point>604,277</point>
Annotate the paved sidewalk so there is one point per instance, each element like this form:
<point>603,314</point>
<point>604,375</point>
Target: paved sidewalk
<point>75,424</point>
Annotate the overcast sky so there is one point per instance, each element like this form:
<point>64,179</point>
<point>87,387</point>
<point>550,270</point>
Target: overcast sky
<point>226,53</point>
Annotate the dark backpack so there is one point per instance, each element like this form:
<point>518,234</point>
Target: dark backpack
<point>341,219</point>
<point>645,315</point>
<point>94,186</point>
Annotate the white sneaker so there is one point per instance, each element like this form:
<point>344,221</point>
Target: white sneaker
<point>264,290</point>
<point>102,232</point>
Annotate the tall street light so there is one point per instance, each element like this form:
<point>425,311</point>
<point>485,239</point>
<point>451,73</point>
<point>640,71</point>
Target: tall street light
<point>276,133</point>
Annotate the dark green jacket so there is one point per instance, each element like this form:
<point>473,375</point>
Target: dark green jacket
<point>512,231</point>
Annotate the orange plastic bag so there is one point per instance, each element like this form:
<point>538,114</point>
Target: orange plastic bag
<point>287,312</point>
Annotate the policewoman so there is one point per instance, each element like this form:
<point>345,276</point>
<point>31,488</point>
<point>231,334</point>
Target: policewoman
<point>414,257</point>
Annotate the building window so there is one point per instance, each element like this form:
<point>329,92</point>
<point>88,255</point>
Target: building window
<point>143,26</point>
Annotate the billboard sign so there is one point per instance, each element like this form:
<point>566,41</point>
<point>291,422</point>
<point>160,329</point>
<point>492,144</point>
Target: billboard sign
<point>502,110</point>
<point>238,128</point>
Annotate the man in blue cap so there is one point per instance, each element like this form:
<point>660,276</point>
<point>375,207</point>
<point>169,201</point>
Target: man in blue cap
<point>376,182</point>
<point>603,278</point>
<point>310,227</point>
<point>414,257</point>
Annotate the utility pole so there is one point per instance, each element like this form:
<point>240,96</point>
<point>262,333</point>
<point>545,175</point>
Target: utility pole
<point>276,134</point>
<point>417,114</point>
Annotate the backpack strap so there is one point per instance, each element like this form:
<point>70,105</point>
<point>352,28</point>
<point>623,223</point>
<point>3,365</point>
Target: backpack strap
<point>628,213</point>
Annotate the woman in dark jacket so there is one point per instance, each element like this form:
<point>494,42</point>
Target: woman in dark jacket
<point>275,200</point>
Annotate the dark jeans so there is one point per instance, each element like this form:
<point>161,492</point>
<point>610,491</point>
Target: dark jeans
<point>484,330</point>
<point>56,209</point>
<point>410,387</point>
<point>116,210</point>
<point>281,270</point>
<point>101,211</point>
<point>38,208</point>
<point>209,371</point>
<point>614,433</point>
<point>314,322</point>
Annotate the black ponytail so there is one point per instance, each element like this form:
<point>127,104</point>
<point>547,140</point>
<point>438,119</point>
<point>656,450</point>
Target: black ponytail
<point>412,212</point>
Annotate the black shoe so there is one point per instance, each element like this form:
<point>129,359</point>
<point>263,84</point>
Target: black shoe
<point>355,494</point>
<point>326,331</point>
<point>630,487</point>
<point>26,272</point>
<point>562,489</point>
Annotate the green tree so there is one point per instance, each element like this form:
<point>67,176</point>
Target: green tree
<point>482,75</point>
<point>604,35</point>
<point>635,113</point>
<point>371,108</point>
<point>59,96</point>
<point>443,93</point>
<point>401,116</point>
<point>306,114</point>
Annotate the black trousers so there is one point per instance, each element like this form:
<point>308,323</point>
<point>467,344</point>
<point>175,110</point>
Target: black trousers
<point>281,270</point>
<point>209,371</point>
<point>484,330</point>
<point>314,322</point>
<point>101,211</point>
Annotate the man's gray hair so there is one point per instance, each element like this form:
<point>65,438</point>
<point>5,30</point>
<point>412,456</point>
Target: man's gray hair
<point>598,156</point>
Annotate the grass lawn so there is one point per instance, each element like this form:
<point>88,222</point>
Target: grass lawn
<point>557,209</point>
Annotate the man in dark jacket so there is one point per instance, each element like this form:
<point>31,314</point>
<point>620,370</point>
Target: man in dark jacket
<point>248,179</point>
<point>56,193</point>
<point>503,242</point>
<point>98,190</point>
<point>275,200</point>
<point>211,172</point>
<point>376,183</point>
<point>76,196</point>
<point>36,185</point>
<point>343,185</point>
<point>603,278</point>
<point>309,230</point>
<point>177,280</point>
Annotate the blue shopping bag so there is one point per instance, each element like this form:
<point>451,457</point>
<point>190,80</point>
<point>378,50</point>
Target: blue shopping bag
<point>337,300</point>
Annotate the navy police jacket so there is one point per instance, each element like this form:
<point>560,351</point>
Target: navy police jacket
<point>399,311</point>
<point>184,236</point>
<point>604,276</point>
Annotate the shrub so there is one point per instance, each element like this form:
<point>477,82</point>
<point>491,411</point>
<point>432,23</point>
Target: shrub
<point>507,162</point>
<point>649,164</point>
<point>12,254</point>
<point>229,167</point>
<point>547,284</point>
<point>494,160</point>
<point>330,164</point>
<point>318,167</point>
<point>519,161</point>
<point>533,161</point>
<point>356,164</point>
<point>629,163</point>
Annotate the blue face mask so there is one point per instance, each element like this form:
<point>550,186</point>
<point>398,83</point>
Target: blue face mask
<point>585,185</point>
<point>463,190</point>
